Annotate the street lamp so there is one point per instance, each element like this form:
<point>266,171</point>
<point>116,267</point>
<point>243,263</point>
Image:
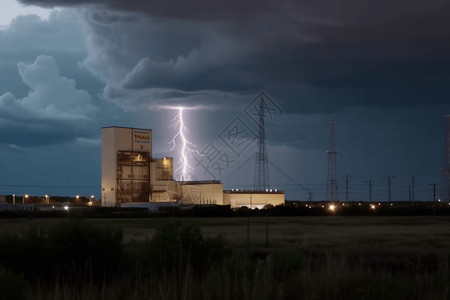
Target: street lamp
<point>14,199</point>
<point>90,203</point>
<point>23,198</point>
<point>46,200</point>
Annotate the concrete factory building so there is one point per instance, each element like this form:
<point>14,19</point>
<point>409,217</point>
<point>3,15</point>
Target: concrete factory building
<point>130,175</point>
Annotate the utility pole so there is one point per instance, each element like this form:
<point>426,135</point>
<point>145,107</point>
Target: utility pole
<point>347,180</point>
<point>434,198</point>
<point>370,190</point>
<point>409,195</point>
<point>389,178</point>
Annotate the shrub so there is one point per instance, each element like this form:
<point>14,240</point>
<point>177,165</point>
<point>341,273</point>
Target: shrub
<point>72,251</point>
<point>83,252</point>
<point>11,286</point>
<point>176,247</point>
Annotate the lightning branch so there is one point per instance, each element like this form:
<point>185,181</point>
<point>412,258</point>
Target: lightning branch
<point>187,150</point>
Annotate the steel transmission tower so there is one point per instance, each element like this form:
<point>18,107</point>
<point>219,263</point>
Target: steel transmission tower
<point>332,187</point>
<point>261,162</point>
<point>445,171</point>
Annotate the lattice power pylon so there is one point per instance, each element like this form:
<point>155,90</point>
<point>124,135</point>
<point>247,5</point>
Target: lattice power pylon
<point>332,186</point>
<point>445,171</point>
<point>261,162</point>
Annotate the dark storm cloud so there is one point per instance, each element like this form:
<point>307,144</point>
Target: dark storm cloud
<point>46,98</point>
<point>367,19</point>
<point>199,9</point>
<point>29,36</point>
<point>326,54</point>
<point>54,111</point>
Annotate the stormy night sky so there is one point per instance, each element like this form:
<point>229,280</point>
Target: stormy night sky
<point>378,69</point>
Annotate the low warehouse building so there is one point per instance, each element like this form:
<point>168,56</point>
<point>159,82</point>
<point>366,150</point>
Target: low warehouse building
<point>253,199</point>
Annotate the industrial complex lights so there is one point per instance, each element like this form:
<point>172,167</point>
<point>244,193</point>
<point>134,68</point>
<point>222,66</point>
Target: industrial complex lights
<point>187,149</point>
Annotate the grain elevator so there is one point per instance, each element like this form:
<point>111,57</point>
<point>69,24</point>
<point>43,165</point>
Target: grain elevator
<point>131,176</point>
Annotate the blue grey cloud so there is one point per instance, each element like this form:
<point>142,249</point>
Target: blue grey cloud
<point>54,111</point>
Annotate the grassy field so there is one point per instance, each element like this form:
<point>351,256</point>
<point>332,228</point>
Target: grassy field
<point>309,258</point>
<point>419,233</point>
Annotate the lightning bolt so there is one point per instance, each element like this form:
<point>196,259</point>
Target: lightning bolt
<point>187,150</point>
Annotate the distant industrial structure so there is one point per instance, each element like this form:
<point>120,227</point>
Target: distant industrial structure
<point>261,161</point>
<point>445,171</point>
<point>332,186</point>
<point>132,177</point>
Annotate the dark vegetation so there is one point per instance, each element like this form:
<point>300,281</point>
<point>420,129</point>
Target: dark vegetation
<point>75,259</point>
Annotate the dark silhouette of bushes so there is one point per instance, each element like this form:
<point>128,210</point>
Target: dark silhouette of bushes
<point>82,251</point>
<point>76,253</point>
<point>11,286</point>
<point>76,260</point>
<point>72,252</point>
<point>176,247</point>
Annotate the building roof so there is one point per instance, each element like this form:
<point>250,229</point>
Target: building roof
<point>126,127</point>
<point>200,182</point>
<point>238,191</point>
